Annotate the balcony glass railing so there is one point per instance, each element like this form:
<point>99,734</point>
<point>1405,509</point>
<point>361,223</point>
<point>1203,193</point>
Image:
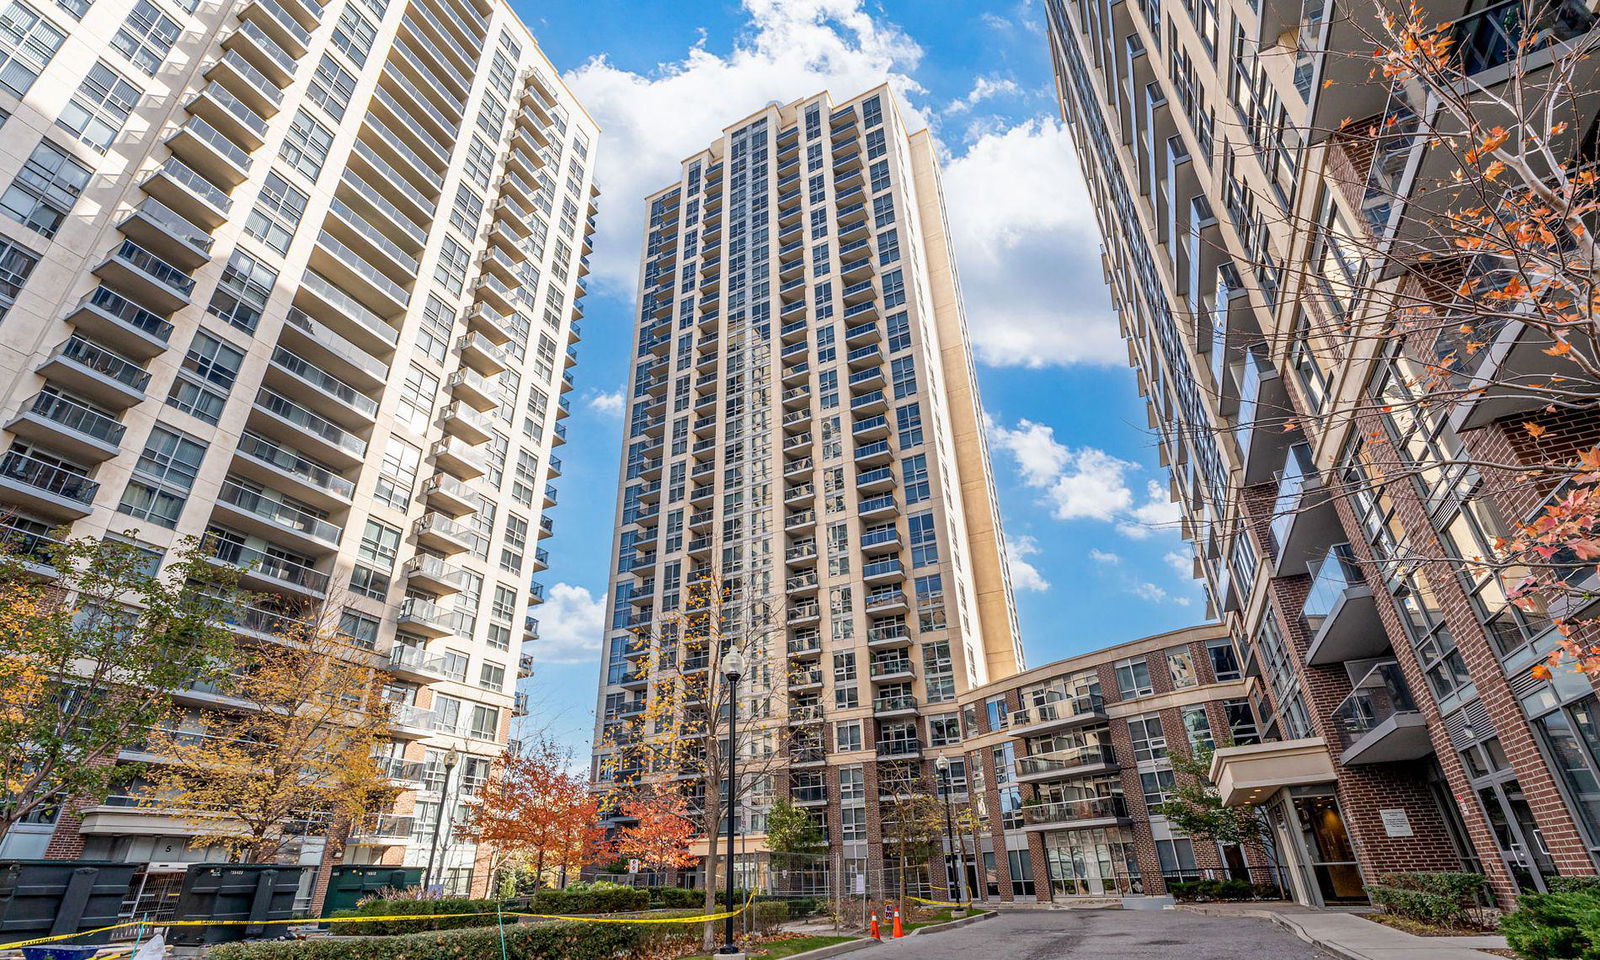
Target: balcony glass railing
<point>76,417</point>
<point>326,382</point>
<point>372,234</point>
<point>282,406</point>
<point>52,479</point>
<point>104,362</point>
<point>214,138</point>
<point>1068,811</point>
<point>175,223</point>
<point>1297,470</point>
<point>308,471</point>
<point>392,177</point>
<point>1336,573</point>
<point>153,266</point>
<point>359,265</point>
<point>1085,705</point>
<point>282,514</point>
<point>181,173</point>
<point>1381,695</point>
<point>266,564</point>
<point>262,84</point>
<point>1092,754</point>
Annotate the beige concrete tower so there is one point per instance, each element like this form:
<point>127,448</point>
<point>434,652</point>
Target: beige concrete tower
<point>804,424</point>
<point>302,279</point>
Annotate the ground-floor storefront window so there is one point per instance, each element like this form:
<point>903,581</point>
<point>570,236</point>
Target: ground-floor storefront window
<point>1086,863</point>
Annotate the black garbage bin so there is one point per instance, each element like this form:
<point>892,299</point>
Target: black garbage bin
<point>47,898</point>
<point>235,891</point>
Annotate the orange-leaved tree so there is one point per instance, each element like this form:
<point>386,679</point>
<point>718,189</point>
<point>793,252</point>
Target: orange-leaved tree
<point>533,813</point>
<point>661,829</point>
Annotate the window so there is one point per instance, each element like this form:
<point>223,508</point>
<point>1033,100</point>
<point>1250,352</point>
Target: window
<point>875,144</point>
<point>100,107</point>
<point>242,292</point>
<point>1181,668</point>
<point>503,605</point>
<point>380,545</point>
<point>847,735</point>
<point>944,730</point>
<point>899,332</point>
<point>1224,660</point>
<point>1241,722</point>
<point>914,473</point>
<point>466,211</point>
<point>853,824</point>
<point>846,698</point>
<point>904,374</point>
<point>871,112</point>
<point>331,87</point>
<point>879,173</point>
<point>480,162</point>
<point>27,43</point>
<point>852,783</point>
<point>146,37</point>
<point>359,628</point>
<point>888,248</point>
<point>162,477</point>
<point>354,35</point>
<point>999,716</point>
<point>1177,857</point>
<point>415,406</point>
<point>205,377</point>
<point>16,263</point>
<point>305,146</point>
<point>369,583</point>
<point>1133,678</point>
<point>930,603</point>
<point>492,676</point>
<point>398,477</point>
<point>514,545</point>
<point>908,424</point>
<point>883,216</point>
<point>1157,786</point>
<point>1149,741</point>
<point>924,541</point>
<point>45,189</point>
<point>451,270</point>
<point>1198,728</point>
<point>485,722</point>
<point>277,213</point>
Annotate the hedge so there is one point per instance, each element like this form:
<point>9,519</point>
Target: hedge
<point>1580,884</point>
<point>1231,889</point>
<point>677,897</point>
<point>1446,899</point>
<point>530,941</point>
<point>381,908</point>
<point>1555,926</point>
<point>596,898</point>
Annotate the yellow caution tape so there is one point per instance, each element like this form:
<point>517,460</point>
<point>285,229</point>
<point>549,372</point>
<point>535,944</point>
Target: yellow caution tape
<point>941,903</point>
<point>399,917</point>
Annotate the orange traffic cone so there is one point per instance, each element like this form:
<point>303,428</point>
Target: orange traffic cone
<point>872,931</point>
<point>898,930</point>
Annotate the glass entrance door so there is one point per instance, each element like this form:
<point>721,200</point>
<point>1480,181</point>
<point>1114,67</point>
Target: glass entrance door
<point>1330,856</point>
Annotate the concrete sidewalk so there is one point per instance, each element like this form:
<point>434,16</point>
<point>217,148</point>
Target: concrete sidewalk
<point>1354,937</point>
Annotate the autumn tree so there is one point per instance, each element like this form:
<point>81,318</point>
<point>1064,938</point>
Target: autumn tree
<point>89,657</point>
<point>533,813</point>
<point>913,827</point>
<point>680,732</point>
<point>297,755</point>
<point>661,828</point>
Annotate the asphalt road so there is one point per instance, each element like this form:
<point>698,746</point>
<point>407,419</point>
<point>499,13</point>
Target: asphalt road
<point>1105,935</point>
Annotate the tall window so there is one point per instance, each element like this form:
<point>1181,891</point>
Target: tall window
<point>101,106</point>
<point>1133,678</point>
<point>354,35</point>
<point>331,87</point>
<point>205,377</point>
<point>305,146</point>
<point>162,477</point>
<point>277,213</point>
<point>242,293</point>
<point>417,394</point>
<point>146,37</point>
<point>27,43</point>
<point>398,477</point>
<point>45,189</point>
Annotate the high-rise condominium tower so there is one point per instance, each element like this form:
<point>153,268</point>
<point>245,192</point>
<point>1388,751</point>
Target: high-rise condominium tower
<point>303,280</point>
<point>804,427</point>
<point>1268,200</point>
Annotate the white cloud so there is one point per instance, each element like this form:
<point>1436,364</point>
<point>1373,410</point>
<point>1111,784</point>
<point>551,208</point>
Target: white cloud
<point>1024,575</point>
<point>1155,594</point>
<point>1157,513</point>
<point>1182,563</point>
<point>1104,556</point>
<point>1028,249</point>
<point>1080,484</point>
<point>571,625</point>
<point>984,88</point>
<point>609,404</point>
<point>650,122</point>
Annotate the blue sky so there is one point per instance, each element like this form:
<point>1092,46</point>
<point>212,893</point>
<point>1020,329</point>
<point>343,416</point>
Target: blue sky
<point>1092,536</point>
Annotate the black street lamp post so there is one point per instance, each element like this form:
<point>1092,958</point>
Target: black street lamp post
<point>732,668</point>
<point>943,764</point>
<point>451,758</point>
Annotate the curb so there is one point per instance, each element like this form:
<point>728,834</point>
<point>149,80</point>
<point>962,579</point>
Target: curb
<point>952,924</point>
<point>833,950</point>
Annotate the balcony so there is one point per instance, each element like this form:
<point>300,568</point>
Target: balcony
<point>800,520</point>
<point>1491,37</point>
<point>459,459</point>
<point>271,571</point>
<point>383,830</point>
<point>886,601</point>
<point>466,423</point>
<point>1082,814</point>
<point>93,371</point>
<point>1304,524</point>
<point>1340,614</point>
<point>1379,722</point>
<point>877,507</point>
<point>449,495</point>
<point>320,391</point>
<point>892,668</point>
<point>881,478</point>
<point>371,242</point>
<point>45,487</point>
<point>883,571</point>
<point>269,463</point>
<point>871,402</point>
<point>357,276</point>
<point>439,532</point>
<point>254,512</point>
<point>1058,715</point>
<point>344,360</point>
<point>880,539</point>
<point>207,150</point>
<point>300,426</point>
<point>895,706</point>
<point>1087,760</point>
<point>1264,411</point>
<point>427,618</point>
<point>469,385</point>
<point>806,642</point>
<point>148,279</point>
<point>871,428</point>
<point>899,747</point>
<point>249,51</point>
<point>276,20</point>
<point>477,352</point>
<point>435,575</point>
<point>167,233</point>
<point>321,300</point>
<point>405,774</point>
<point>878,451</point>
<point>194,197</point>
<point>76,431</point>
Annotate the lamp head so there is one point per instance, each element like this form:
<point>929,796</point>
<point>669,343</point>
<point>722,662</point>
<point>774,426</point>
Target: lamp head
<point>943,763</point>
<point>452,757</point>
<point>733,664</point>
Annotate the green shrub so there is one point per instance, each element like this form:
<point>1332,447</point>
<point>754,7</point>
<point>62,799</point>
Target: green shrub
<point>1581,884</point>
<point>678,897</point>
<point>1446,899</point>
<point>1555,926</point>
<point>388,908</point>
<point>587,898</point>
<point>541,941</point>
<point>766,916</point>
<point>1230,889</point>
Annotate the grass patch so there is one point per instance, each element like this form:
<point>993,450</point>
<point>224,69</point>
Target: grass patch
<point>787,947</point>
<point>1418,928</point>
